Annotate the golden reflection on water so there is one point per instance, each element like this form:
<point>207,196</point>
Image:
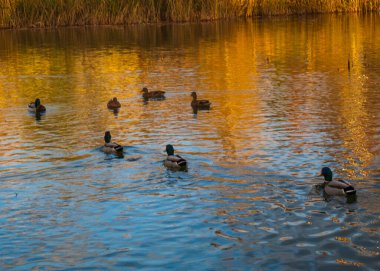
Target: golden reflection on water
<point>251,71</point>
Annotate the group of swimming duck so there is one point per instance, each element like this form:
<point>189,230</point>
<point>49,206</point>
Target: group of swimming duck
<point>160,95</point>
<point>176,162</point>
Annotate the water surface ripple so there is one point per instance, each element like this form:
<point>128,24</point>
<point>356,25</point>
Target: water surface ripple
<point>284,104</point>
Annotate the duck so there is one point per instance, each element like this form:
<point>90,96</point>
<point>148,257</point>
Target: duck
<point>199,104</point>
<point>173,161</point>
<point>111,147</point>
<point>36,106</point>
<point>157,94</point>
<point>336,187</point>
<point>113,103</point>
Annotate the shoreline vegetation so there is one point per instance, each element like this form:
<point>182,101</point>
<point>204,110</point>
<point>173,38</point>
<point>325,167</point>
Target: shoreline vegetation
<point>58,13</point>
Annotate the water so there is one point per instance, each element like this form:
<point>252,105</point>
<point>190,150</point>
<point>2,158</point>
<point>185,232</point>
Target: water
<point>284,104</point>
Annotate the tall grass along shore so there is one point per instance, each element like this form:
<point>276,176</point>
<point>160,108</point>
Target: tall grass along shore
<point>52,13</point>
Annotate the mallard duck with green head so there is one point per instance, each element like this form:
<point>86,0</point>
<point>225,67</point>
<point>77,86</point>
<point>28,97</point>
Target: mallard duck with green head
<point>157,94</point>
<point>36,107</point>
<point>111,147</point>
<point>174,161</point>
<point>336,187</point>
<point>199,104</point>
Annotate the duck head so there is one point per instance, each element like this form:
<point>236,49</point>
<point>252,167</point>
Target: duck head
<point>114,99</point>
<point>145,90</point>
<point>194,95</point>
<point>107,137</point>
<point>170,149</point>
<point>37,103</point>
<point>327,174</point>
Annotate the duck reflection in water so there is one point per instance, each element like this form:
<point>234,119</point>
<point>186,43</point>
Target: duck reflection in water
<point>336,187</point>
<point>195,111</point>
<point>115,111</point>
<point>111,147</point>
<point>38,116</point>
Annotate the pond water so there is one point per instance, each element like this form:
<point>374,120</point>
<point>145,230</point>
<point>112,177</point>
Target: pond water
<point>289,95</point>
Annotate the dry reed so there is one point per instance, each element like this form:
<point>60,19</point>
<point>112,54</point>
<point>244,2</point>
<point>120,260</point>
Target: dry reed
<point>52,13</point>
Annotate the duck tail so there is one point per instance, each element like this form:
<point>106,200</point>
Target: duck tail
<point>118,148</point>
<point>349,191</point>
<point>182,163</point>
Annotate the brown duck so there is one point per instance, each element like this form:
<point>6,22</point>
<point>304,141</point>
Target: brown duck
<point>199,104</point>
<point>36,107</point>
<point>157,94</point>
<point>113,103</point>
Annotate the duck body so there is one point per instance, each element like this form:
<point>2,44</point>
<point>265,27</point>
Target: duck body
<point>113,104</point>
<point>336,187</point>
<point>339,188</point>
<point>173,161</point>
<point>199,104</point>
<point>36,107</point>
<point>157,94</point>
<point>111,147</point>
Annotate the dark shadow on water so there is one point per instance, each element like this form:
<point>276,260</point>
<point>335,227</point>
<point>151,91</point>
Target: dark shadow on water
<point>115,111</point>
<point>110,156</point>
<point>38,116</point>
<point>195,111</point>
<point>133,158</point>
<point>183,169</point>
<point>146,100</point>
<point>351,199</point>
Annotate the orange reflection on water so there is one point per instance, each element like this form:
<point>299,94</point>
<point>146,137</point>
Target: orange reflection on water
<point>254,72</point>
